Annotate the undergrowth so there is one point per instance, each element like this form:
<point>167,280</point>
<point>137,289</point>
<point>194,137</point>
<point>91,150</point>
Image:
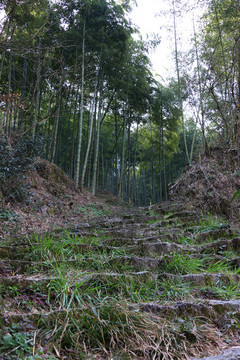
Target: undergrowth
<point>110,329</point>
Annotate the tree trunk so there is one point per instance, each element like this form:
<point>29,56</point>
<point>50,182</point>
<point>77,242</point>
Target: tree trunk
<point>37,90</point>
<point>122,171</point>
<point>81,112</point>
<point>97,142</point>
<point>129,168</point>
<point>72,162</point>
<point>23,94</point>
<point>178,78</point>
<point>90,133</point>
<point>8,113</point>
<point>56,123</point>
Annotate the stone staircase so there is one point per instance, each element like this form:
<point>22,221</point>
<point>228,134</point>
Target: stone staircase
<point>159,282</point>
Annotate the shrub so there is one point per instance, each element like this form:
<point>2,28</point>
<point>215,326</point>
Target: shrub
<point>15,160</point>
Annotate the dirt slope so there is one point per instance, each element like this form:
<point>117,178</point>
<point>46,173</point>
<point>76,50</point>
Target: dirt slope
<point>211,182</point>
<point>53,203</point>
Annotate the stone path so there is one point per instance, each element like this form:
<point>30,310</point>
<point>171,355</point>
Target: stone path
<point>175,270</point>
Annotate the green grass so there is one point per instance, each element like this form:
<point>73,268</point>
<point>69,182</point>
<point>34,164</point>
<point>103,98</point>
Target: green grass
<point>150,222</point>
<point>66,246</point>
<point>211,222</point>
<point>8,215</point>
<point>174,290</point>
<point>15,342</point>
<point>93,210</point>
<point>218,266</point>
<point>111,329</point>
<point>223,292</point>
<point>184,240</point>
<point>229,254</point>
<point>95,288</point>
<point>181,264</point>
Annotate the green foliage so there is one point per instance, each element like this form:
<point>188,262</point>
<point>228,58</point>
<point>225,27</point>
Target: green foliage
<point>93,210</point>
<point>223,292</point>
<point>9,215</point>
<point>211,222</point>
<point>182,264</point>
<point>174,290</point>
<point>218,266</point>
<point>219,66</point>
<point>236,195</point>
<point>14,339</point>
<point>185,240</point>
<point>16,159</point>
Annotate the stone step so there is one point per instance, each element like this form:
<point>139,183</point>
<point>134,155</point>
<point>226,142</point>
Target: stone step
<point>217,234</point>
<point>183,214</point>
<point>220,246</point>
<point>203,279</point>
<point>42,281</point>
<point>138,263</point>
<point>16,317</point>
<point>118,241</point>
<point>228,354</point>
<point>210,309</point>
<point>166,207</point>
<point>23,266</point>
<point>25,282</point>
<point>179,310</point>
<point>165,255</point>
<point>139,220</point>
<point>162,248</point>
<point>13,251</point>
<point>218,311</point>
<point>165,224</point>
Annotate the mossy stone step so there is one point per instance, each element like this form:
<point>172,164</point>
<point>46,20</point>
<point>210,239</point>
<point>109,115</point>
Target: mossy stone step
<point>210,309</point>
<point>166,207</point>
<point>119,241</point>
<point>13,251</point>
<point>11,317</point>
<point>220,246</point>
<point>222,306</point>
<point>179,310</point>
<point>203,279</point>
<point>162,248</point>
<point>183,214</point>
<point>139,263</point>
<point>24,282</point>
<point>217,234</point>
<point>228,354</point>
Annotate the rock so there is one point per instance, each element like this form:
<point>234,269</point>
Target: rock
<point>222,306</point>
<point>217,247</point>
<point>182,214</point>
<point>179,309</point>
<point>230,354</point>
<point>216,234</point>
<point>139,263</point>
<point>236,245</point>
<point>204,279</point>
<point>162,248</point>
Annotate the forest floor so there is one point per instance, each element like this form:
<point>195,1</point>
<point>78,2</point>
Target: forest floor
<point>85,277</point>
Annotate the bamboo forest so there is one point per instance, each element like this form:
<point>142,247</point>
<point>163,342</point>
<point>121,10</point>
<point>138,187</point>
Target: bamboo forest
<point>75,80</point>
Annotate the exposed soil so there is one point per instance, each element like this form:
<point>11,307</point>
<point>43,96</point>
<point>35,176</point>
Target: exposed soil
<point>54,203</point>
